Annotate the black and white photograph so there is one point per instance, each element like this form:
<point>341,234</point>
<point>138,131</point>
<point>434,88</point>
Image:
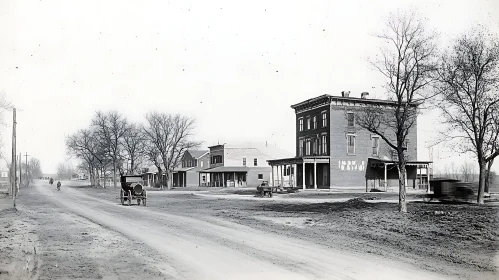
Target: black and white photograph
<point>242,140</point>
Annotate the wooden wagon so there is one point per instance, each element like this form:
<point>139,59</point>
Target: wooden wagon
<point>264,189</point>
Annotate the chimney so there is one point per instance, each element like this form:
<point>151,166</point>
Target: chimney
<point>364,95</point>
<point>345,93</point>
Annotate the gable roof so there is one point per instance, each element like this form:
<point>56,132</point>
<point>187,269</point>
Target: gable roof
<point>197,153</point>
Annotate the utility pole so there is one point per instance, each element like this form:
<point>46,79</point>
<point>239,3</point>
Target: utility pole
<point>27,169</point>
<point>14,160</point>
<point>20,169</point>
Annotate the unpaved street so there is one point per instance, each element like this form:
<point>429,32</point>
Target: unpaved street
<point>82,236</point>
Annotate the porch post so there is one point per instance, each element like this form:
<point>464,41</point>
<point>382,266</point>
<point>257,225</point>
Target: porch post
<point>427,176</point>
<point>295,183</point>
<point>386,183</point>
<point>282,178</point>
<point>303,175</point>
<point>234,179</point>
<point>315,175</point>
<point>223,179</point>
<point>272,180</point>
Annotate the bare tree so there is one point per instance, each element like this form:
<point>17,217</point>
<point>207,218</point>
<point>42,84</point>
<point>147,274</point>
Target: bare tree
<point>468,86</point>
<point>85,146</point>
<point>65,171</point>
<point>32,170</point>
<point>467,171</point>
<point>408,64</point>
<point>167,139</point>
<point>133,144</point>
<point>110,129</point>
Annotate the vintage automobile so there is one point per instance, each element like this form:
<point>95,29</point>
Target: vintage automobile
<point>449,190</point>
<point>132,189</point>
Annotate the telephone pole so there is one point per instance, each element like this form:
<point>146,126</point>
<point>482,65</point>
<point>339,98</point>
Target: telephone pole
<point>27,170</point>
<point>14,160</point>
<point>20,170</point>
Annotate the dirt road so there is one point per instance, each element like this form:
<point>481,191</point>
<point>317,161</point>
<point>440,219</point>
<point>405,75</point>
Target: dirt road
<point>145,242</point>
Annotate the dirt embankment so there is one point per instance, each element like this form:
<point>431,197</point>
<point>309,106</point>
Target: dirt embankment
<point>19,258</point>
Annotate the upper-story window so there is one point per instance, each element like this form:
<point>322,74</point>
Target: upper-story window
<point>216,159</point>
<point>307,148</point>
<point>350,144</point>
<point>244,161</point>
<point>255,162</point>
<point>300,147</point>
<point>350,119</point>
<point>314,122</point>
<point>375,145</point>
<point>405,145</point>
<point>324,119</point>
<point>324,145</point>
<point>300,121</point>
<point>202,164</point>
<point>308,122</point>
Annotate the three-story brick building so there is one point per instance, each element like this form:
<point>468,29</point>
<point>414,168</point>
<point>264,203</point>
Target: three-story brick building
<point>332,151</point>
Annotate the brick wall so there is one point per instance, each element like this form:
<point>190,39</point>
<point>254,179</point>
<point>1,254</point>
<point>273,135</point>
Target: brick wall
<point>350,169</point>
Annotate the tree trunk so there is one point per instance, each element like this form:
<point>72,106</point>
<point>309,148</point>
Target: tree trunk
<point>481,182</point>
<point>402,202</point>
<point>487,177</point>
<point>114,173</point>
<point>160,178</point>
<point>167,179</point>
<point>103,174</point>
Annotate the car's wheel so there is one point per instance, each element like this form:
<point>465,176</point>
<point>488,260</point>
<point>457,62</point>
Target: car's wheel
<point>122,197</point>
<point>138,201</point>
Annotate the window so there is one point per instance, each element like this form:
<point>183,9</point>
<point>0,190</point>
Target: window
<point>315,122</point>
<point>350,119</point>
<point>216,159</point>
<point>324,144</point>
<point>244,161</point>
<point>375,145</point>
<point>307,151</point>
<point>314,146</point>
<point>300,121</point>
<point>300,147</point>
<point>202,163</point>
<point>405,144</point>
<point>255,162</point>
<point>324,119</point>
<point>308,122</point>
<point>260,176</point>
<point>351,144</point>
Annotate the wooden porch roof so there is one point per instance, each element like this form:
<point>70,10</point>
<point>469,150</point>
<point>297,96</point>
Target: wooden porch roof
<point>377,161</point>
<point>299,160</point>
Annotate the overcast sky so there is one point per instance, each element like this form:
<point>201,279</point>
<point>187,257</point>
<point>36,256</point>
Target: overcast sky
<point>235,66</point>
